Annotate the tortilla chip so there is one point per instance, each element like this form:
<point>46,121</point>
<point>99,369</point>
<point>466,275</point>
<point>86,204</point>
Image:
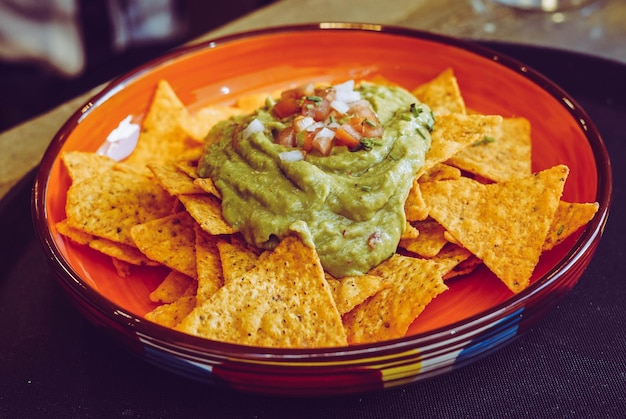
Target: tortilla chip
<point>284,301</point>
<point>207,185</point>
<point>237,258</point>
<point>121,252</point>
<point>442,94</point>
<point>170,241</point>
<point>351,291</point>
<point>77,236</point>
<point>110,204</point>
<point>82,165</point>
<point>174,286</point>
<point>409,232</point>
<point>170,315</point>
<point>252,102</point>
<point>501,157</point>
<point>464,267</point>
<point>198,125</point>
<point>389,313</point>
<point>440,171</point>
<point>414,206</point>
<point>454,132</point>
<point>504,224</point>
<point>122,268</point>
<point>208,265</point>
<point>569,217</point>
<point>460,260</point>
<point>173,180</point>
<point>430,240</point>
<point>162,136</point>
<point>207,211</point>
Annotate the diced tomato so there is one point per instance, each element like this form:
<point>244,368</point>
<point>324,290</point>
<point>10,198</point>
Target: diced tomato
<point>311,111</point>
<point>323,141</point>
<point>307,144</point>
<point>287,137</point>
<point>290,101</point>
<point>363,109</point>
<point>286,107</point>
<point>347,136</point>
<point>366,126</point>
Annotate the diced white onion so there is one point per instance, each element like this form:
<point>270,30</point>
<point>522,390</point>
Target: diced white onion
<point>291,156</point>
<point>325,133</point>
<point>348,96</point>
<point>303,123</point>
<point>315,126</point>
<point>347,85</point>
<point>323,141</point>
<point>253,127</point>
<point>340,106</point>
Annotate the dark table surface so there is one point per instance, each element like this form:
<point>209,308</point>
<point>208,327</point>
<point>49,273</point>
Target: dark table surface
<point>54,364</point>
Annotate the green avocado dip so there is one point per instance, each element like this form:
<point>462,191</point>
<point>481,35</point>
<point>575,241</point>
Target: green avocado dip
<point>347,201</point>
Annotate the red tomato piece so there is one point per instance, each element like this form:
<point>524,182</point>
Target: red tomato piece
<point>347,136</point>
<point>287,137</point>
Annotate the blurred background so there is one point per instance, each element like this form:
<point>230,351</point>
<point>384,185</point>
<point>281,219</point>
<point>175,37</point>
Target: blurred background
<point>53,50</point>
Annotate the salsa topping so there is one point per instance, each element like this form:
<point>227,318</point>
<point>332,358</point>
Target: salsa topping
<point>321,117</point>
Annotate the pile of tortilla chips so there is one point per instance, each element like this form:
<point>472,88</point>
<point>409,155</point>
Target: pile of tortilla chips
<point>474,202</point>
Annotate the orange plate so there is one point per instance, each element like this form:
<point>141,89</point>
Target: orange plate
<point>266,60</point>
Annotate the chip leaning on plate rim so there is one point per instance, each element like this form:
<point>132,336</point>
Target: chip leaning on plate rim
<point>474,203</point>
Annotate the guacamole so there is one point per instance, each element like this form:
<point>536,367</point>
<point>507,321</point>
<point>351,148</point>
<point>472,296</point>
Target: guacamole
<point>347,202</point>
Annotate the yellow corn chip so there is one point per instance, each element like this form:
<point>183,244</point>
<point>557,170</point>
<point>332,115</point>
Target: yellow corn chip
<point>252,102</point>
<point>198,125</point>
<point>208,265</point>
<point>429,241</point>
<point>464,267</point>
<point>414,206</point>
<point>173,180</point>
<point>237,258</point>
<point>501,157</point>
<point>504,224</point>
<point>410,232</point>
<point>460,260</point>
<point>174,286</point>
<point>122,252</point>
<point>207,211</point>
<point>284,301</point>
<point>351,291</point>
<point>122,268</point>
<point>454,132</point>
<point>442,94</point>
<point>110,204</point>
<point>169,240</point>
<point>77,236</point>
<point>118,251</point>
<point>569,217</point>
<point>81,164</point>
<point>207,185</point>
<point>389,313</point>
<point>162,137</point>
<point>170,315</point>
<point>440,171</point>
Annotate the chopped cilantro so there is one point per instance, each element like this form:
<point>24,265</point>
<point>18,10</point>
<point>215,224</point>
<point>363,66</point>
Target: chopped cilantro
<point>415,110</point>
<point>486,140</point>
<point>316,99</point>
<point>368,122</point>
<point>367,143</point>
